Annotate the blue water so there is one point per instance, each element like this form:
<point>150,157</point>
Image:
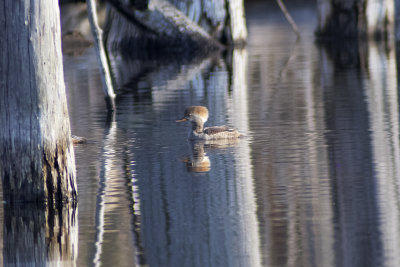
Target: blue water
<point>314,182</point>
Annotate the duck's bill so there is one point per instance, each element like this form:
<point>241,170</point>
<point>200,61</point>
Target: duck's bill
<point>181,120</point>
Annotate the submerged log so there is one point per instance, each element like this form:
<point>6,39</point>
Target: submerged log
<point>36,154</point>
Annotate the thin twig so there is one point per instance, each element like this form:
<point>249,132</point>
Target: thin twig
<point>289,18</point>
<point>108,89</point>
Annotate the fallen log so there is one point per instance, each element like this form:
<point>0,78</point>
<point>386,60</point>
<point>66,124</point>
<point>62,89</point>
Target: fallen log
<point>197,26</point>
<point>162,25</point>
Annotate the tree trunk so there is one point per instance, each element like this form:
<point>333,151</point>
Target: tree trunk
<point>36,154</point>
<point>355,18</point>
<point>237,22</point>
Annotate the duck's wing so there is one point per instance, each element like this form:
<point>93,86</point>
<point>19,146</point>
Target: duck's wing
<point>217,129</point>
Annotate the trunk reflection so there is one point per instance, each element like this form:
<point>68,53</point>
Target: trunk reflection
<point>37,234</point>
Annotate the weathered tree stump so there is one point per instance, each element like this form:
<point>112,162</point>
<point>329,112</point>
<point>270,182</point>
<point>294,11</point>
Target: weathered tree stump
<point>36,154</point>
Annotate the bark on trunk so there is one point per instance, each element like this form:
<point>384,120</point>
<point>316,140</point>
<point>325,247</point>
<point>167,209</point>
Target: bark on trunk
<point>36,154</point>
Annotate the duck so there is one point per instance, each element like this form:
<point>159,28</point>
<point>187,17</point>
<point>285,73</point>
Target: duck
<point>198,115</point>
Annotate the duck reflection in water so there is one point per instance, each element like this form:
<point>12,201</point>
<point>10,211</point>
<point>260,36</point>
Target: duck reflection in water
<point>198,161</point>
<point>198,115</point>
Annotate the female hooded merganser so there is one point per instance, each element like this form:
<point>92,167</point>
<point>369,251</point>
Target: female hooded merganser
<point>198,115</point>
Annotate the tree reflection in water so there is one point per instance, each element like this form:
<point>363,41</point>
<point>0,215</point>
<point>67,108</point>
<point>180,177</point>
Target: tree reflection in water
<point>37,234</point>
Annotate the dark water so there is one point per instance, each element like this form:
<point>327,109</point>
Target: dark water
<point>313,183</point>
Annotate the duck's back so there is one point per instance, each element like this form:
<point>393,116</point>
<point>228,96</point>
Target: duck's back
<point>220,132</point>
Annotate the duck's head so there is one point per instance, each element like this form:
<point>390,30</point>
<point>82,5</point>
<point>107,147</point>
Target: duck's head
<point>197,114</point>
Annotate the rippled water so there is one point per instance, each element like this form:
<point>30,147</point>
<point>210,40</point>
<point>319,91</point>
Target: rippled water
<point>314,182</point>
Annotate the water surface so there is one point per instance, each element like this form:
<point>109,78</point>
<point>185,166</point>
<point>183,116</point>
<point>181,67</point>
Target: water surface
<point>314,182</point>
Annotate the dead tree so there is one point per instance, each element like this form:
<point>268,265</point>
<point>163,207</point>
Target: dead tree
<point>36,154</point>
